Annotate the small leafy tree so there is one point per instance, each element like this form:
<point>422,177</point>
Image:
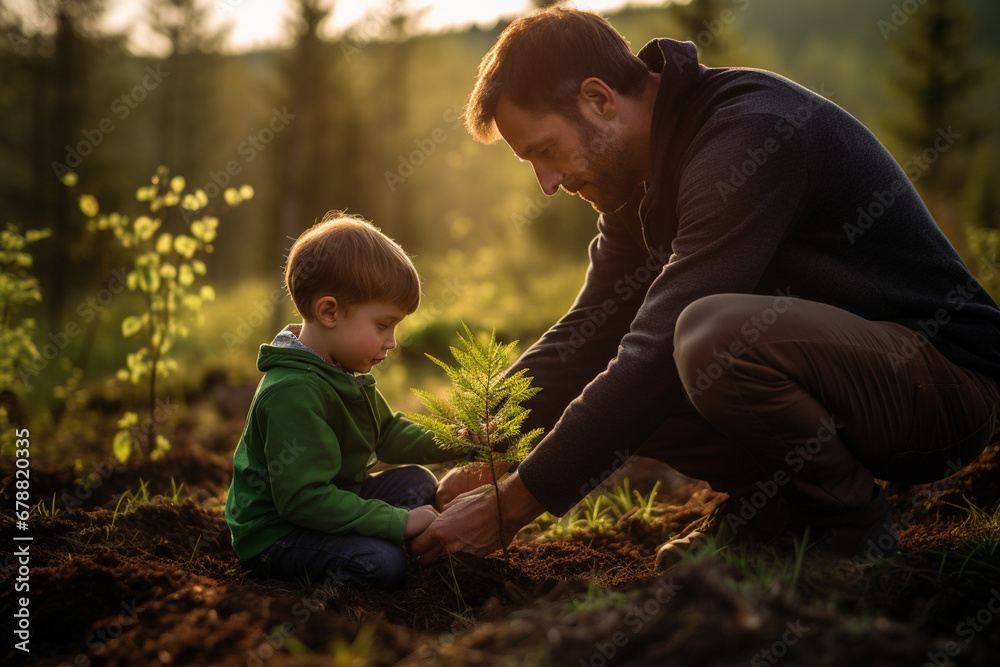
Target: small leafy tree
<point>165,269</point>
<point>483,412</point>
<point>18,289</point>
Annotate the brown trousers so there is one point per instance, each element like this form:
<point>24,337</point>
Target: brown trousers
<point>802,399</point>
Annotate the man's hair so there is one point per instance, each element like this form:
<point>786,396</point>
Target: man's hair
<point>539,62</point>
<point>348,258</point>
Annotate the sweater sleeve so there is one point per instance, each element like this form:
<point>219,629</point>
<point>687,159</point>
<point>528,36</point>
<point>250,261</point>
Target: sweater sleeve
<point>403,441</point>
<point>303,457</point>
<point>586,338</point>
<point>723,245</point>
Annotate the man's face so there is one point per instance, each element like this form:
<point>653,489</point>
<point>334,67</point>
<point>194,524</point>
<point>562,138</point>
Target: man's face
<point>582,157</point>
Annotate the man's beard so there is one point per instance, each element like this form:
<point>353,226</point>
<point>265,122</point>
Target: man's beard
<point>607,168</point>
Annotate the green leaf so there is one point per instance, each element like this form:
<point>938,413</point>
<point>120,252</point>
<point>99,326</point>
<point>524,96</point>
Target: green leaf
<point>185,245</point>
<point>131,325</point>
<point>89,206</point>
<point>33,235</point>
<point>198,229</point>
<point>186,276</point>
<point>165,243</point>
<point>121,447</point>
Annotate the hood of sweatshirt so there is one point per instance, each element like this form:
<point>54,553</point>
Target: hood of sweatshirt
<point>288,352</point>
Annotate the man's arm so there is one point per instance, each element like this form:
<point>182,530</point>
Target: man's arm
<point>722,246</point>
<point>579,346</point>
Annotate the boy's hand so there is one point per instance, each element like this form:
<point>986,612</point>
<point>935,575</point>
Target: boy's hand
<point>417,520</point>
<point>466,478</point>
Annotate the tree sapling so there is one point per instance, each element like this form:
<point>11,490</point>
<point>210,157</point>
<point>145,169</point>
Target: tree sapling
<point>483,411</point>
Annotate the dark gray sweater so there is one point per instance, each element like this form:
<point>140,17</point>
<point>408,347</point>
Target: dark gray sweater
<point>759,186</point>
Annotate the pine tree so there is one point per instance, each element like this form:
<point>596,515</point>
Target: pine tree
<point>935,74</point>
<point>483,412</point>
<point>707,24</point>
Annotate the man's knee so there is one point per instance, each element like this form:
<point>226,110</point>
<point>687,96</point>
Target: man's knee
<point>707,337</point>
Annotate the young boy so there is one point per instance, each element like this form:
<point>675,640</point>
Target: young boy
<point>302,503</point>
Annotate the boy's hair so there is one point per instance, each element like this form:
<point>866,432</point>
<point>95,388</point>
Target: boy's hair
<point>348,258</point>
<point>539,62</point>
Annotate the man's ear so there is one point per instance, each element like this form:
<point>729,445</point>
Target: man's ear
<point>326,311</point>
<point>598,98</point>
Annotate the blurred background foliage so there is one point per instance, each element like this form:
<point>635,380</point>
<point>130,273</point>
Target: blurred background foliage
<point>369,121</point>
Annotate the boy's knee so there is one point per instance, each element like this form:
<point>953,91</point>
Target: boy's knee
<point>423,486</point>
<point>388,569</point>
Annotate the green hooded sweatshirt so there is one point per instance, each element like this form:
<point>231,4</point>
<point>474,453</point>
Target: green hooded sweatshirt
<point>312,434</point>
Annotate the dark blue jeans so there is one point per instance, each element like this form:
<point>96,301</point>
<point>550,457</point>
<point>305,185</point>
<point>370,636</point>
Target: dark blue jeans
<point>320,557</point>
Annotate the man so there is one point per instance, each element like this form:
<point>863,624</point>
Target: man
<point>769,305</point>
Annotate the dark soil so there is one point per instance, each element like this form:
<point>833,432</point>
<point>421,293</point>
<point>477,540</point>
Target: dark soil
<point>159,585</point>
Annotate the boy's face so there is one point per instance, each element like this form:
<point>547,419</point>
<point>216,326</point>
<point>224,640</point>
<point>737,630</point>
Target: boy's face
<point>362,338</point>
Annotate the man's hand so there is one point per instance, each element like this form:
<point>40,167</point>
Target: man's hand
<point>469,523</point>
<point>464,479</point>
<point>417,520</point>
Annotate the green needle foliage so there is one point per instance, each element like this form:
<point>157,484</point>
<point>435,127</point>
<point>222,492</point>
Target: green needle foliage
<point>483,412</point>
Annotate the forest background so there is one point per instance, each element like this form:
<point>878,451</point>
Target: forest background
<point>368,120</point>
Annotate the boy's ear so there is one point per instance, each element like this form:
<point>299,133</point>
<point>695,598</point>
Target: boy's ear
<point>326,311</point>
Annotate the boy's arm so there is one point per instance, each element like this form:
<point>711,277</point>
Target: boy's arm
<point>403,441</point>
<point>303,457</point>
